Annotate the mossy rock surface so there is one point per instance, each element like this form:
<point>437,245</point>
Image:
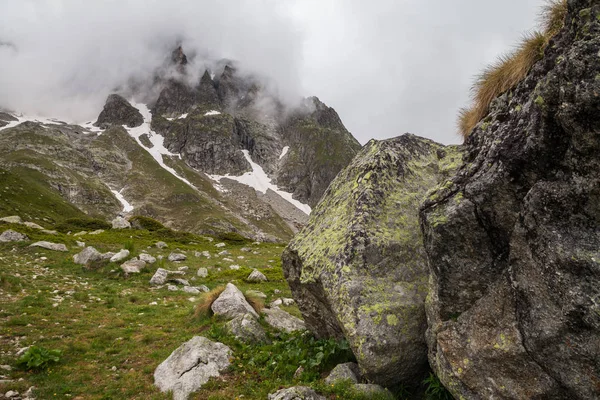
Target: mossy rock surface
<point>358,269</point>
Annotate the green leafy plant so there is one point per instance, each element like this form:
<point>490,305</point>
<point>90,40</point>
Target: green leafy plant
<point>435,390</point>
<point>38,358</point>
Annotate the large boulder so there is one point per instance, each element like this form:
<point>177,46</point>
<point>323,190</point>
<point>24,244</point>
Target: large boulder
<point>232,303</point>
<point>118,111</point>
<point>513,240</point>
<point>358,269</point>
<point>283,320</point>
<point>191,366</point>
<point>247,329</point>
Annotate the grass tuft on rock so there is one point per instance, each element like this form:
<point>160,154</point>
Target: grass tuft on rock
<point>510,69</point>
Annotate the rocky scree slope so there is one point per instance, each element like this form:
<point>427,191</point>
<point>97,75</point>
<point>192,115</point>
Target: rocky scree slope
<point>513,240</point>
<point>358,269</point>
<point>207,174</point>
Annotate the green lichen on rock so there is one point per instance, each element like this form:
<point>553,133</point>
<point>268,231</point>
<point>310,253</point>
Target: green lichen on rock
<point>358,269</point>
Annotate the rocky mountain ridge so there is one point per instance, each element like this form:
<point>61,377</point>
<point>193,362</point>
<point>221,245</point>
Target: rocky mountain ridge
<point>223,155</point>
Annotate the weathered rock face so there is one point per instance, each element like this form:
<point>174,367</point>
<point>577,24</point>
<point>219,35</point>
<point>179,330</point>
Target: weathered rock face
<point>358,269</point>
<point>513,240</point>
<point>296,393</point>
<point>118,111</point>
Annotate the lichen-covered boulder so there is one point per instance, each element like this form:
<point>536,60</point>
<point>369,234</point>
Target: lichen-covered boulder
<point>283,320</point>
<point>513,240</point>
<point>12,236</point>
<point>358,269</point>
<point>87,256</point>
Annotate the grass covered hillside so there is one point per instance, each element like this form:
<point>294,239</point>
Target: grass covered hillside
<point>100,333</point>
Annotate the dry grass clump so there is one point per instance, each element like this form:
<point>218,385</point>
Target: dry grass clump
<point>203,308</point>
<point>512,68</point>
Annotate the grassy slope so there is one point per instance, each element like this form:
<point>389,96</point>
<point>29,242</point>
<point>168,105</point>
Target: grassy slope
<point>102,319</point>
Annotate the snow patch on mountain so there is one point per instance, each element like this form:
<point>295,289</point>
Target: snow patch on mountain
<point>158,149</point>
<point>212,112</point>
<point>260,181</point>
<point>127,207</point>
<point>284,152</point>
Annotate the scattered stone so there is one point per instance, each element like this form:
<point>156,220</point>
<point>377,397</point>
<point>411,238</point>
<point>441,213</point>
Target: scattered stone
<point>133,266</point>
<point>191,366</point>
<point>299,372</point>
<point>224,253</point>
<point>344,372</point>
<point>276,303</point>
<point>372,390</point>
<point>246,249</point>
<point>288,302</point>
<point>256,276</point>
<point>160,277</point>
<point>11,394</point>
<point>87,256</point>
<point>172,288</point>
<point>277,291</point>
<point>80,233</point>
<point>296,393</point>
<point>15,219</point>
<point>161,245</point>
<point>240,257</point>
<point>6,367</point>
<point>234,267</point>
<point>202,272</point>
<point>177,257</point>
<point>246,329</point>
<point>203,288</point>
<point>12,236</point>
<point>256,293</point>
<point>49,232</point>
<point>33,225</point>
<point>183,269</point>
<point>50,246</point>
<point>120,256</point>
<point>228,259</point>
<point>191,290</point>
<point>283,320</point>
<point>97,232</point>
<point>120,223</point>
<point>232,303</point>
<point>80,244</point>
<point>180,281</point>
<point>108,255</point>
<point>147,258</point>
<point>220,245</point>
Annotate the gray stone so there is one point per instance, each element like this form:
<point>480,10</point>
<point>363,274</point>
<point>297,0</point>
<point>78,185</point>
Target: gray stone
<point>246,249</point>
<point>246,329</point>
<point>288,302</point>
<point>224,253</point>
<point>108,255</point>
<point>96,232</point>
<point>234,267</point>
<point>120,223</point>
<point>202,272</point>
<point>256,276</point>
<point>296,393</point>
<point>177,257</point>
<point>80,244</point>
<point>232,303</point>
<point>15,219</point>
<point>220,245</point>
<point>358,269</point>
<point>120,256</point>
<point>12,236</point>
<point>87,256</point>
<point>513,239</point>
<point>172,288</point>
<point>180,281</point>
<point>372,390</point>
<point>33,225</point>
<point>50,246</point>
<point>11,394</point>
<point>160,277</point>
<point>191,290</point>
<point>133,266</point>
<point>147,258</point>
<point>344,372</point>
<point>191,366</point>
<point>276,303</point>
<point>161,245</point>
<point>283,320</point>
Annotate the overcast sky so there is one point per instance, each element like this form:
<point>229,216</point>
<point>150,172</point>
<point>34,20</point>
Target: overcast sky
<point>386,66</point>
